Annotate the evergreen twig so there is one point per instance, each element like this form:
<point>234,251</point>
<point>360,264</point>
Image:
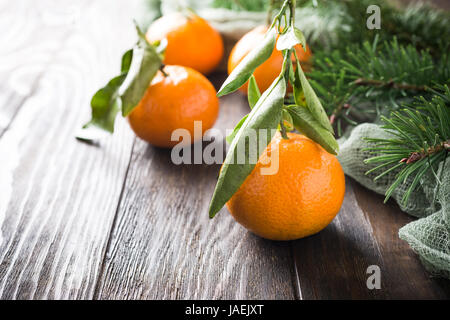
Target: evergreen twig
<point>370,80</point>
<point>388,84</point>
<point>420,141</point>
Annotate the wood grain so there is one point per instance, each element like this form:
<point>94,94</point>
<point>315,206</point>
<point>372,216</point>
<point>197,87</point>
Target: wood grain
<point>164,246</point>
<point>404,275</point>
<point>332,264</point>
<point>58,197</point>
<point>29,40</point>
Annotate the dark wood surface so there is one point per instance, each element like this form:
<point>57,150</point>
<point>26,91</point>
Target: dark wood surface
<point>117,220</point>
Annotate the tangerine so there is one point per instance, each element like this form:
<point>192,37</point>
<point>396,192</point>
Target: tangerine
<point>267,72</point>
<point>174,100</point>
<point>191,41</point>
<point>301,199</point>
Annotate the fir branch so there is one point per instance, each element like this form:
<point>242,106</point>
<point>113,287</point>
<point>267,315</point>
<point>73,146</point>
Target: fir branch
<point>389,84</point>
<point>418,24</point>
<point>420,141</point>
<point>335,24</point>
<point>419,155</point>
<point>421,25</point>
<point>370,80</point>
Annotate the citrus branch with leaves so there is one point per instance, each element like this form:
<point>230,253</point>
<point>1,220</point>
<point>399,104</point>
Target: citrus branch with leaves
<point>122,93</point>
<point>268,110</point>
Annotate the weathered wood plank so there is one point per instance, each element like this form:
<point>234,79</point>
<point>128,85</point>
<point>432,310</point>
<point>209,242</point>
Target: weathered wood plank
<point>332,264</point>
<point>404,277</point>
<point>29,39</point>
<point>164,246</point>
<point>58,197</point>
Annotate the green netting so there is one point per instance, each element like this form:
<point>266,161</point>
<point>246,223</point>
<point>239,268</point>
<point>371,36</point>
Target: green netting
<point>429,236</point>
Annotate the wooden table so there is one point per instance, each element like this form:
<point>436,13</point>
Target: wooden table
<point>118,220</point>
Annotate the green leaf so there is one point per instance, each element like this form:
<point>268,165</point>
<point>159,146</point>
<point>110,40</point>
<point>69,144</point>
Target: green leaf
<point>236,129</point>
<point>291,73</point>
<point>265,115</point>
<point>245,68</point>
<point>139,66</point>
<point>253,92</point>
<point>98,127</point>
<point>299,96</point>
<point>105,104</point>
<point>144,65</point>
<point>126,61</point>
<point>288,122</point>
<point>312,101</point>
<point>305,122</point>
<point>290,39</point>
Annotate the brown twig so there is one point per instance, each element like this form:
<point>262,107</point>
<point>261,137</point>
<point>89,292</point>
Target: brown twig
<point>161,68</point>
<point>338,110</point>
<point>416,156</point>
<point>389,84</point>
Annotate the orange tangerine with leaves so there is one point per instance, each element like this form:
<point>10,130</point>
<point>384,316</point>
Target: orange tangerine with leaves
<point>301,199</point>
<point>176,98</point>
<point>266,73</point>
<point>191,41</point>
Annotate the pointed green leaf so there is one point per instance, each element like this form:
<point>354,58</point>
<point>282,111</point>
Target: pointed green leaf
<point>98,127</point>
<point>305,122</point>
<point>312,101</point>
<point>236,129</point>
<point>290,39</point>
<point>144,65</point>
<point>126,61</point>
<point>245,68</point>
<point>138,67</point>
<point>299,96</point>
<point>265,115</point>
<point>288,122</point>
<point>105,104</point>
<point>253,93</point>
<point>291,73</point>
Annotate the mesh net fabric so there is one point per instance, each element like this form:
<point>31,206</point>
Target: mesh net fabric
<point>428,236</point>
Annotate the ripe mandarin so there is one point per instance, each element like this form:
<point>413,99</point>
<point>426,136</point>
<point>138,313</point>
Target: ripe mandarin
<point>270,69</point>
<point>191,41</point>
<point>299,200</point>
<point>174,100</point>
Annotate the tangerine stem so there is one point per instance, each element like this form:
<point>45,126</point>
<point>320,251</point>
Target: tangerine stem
<point>292,11</point>
<point>161,68</point>
<point>283,130</point>
<point>281,12</point>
